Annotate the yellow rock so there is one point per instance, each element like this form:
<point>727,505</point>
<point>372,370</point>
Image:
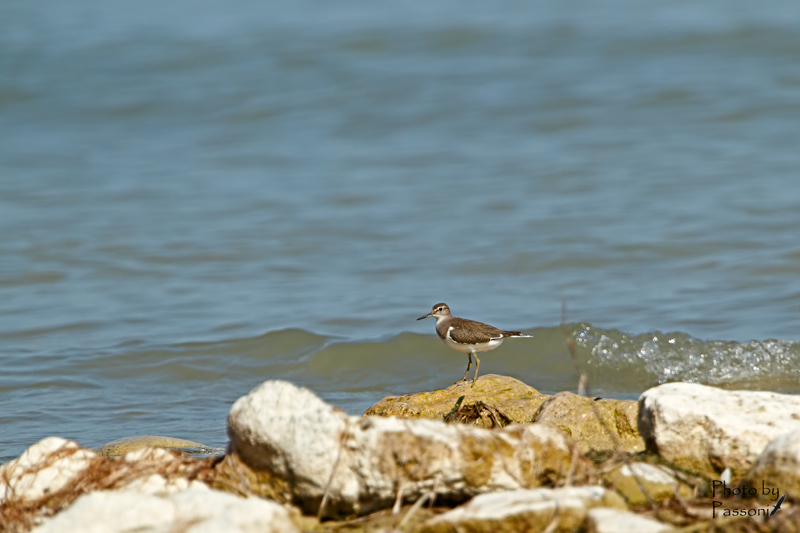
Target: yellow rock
<point>516,400</point>
<point>574,415</point>
<point>129,444</point>
<point>577,416</point>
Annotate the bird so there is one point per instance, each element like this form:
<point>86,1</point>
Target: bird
<point>777,506</point>
<point>468,336</point>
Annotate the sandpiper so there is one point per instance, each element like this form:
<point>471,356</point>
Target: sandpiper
<point>468,336</point>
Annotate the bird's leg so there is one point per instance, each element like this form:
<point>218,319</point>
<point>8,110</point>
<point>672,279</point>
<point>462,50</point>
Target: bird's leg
<point>477,366</point>
<point>469,355</point>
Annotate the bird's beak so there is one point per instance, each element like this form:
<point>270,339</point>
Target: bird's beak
<point>426,316</point>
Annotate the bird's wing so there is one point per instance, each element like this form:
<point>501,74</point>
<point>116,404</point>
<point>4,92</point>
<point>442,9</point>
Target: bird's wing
<point>471,332</point>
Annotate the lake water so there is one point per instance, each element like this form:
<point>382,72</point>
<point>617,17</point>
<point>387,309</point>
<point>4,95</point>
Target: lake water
<point>198,197</point>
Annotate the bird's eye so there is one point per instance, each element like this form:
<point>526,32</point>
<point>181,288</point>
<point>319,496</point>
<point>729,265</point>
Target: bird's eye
<point>440,309</point>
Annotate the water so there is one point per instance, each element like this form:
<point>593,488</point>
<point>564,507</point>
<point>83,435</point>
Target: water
<point>196,198</point>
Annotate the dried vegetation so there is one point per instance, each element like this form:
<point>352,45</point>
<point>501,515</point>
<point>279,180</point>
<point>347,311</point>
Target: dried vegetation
<point>19,515</point>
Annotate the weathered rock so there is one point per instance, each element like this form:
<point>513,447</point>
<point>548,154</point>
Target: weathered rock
<point>190,511</point>
<point>516,400</point>
<point>54,473</point>
<point>129,444</point>
<point>577,416</point>
<point>659,482</point>
<point>705,429</point>
<point>574,415</point>
<point>157,460</point>
<point>778,468</point>
<point>292,446</point>
<point>55,463</point>
<point>45,467</point>
<point>605,520</point>
<point>532,511</point>
<point>149,455</point>
<point>158,484</point>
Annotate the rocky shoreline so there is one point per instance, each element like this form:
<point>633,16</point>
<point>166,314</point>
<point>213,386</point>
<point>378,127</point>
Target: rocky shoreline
<point>497,457</point>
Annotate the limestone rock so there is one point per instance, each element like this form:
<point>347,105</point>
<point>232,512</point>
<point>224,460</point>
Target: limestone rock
<point>518,401</point>
<point>577,416</point>
<point>55,473</point>
<point>705,429</point>
<point>149,455</point>
<point>572,414</point>
<point>129,444</point>
<point>45,467</point>
<point>292,446</point>
<point>659,482</point>
<point>778,468</point>
<point>158,484</point>
<point>190,511</point>
<point>605,520</point>
<point>532,511</point>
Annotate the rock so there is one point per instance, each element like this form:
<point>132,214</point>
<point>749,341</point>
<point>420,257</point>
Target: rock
<point>158,484</point>
<point>142,460</point>
<point>44,468</point>
<point>54,473</point>
<point>516,400</point>
<point>570,413</point>
<point>605,520</point>
<point>659,482</point>
<point>190,511</point>
<point>128,444</point>
<point>531,511</point>
<point>577,416</point>
<point>293,447</point>
<point>705,429</point>
<point>777,469</point>
<point>149,455</point>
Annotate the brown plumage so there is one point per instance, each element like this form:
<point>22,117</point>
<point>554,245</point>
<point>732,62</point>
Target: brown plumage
<point>471,332</point>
